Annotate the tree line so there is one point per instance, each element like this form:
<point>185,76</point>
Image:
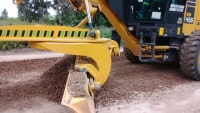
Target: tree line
<point>4,14</point>
<point>38,11</point>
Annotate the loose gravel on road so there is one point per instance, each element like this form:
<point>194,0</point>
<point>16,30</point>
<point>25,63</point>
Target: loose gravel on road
<point>127,80</point>
<point>49,84</point>
<point>25,84</point>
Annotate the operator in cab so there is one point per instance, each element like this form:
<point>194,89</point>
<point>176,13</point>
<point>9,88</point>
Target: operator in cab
<point>145,6</point>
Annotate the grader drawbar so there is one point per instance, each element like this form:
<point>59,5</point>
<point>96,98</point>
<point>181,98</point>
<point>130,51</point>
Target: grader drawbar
<point>93,58</point>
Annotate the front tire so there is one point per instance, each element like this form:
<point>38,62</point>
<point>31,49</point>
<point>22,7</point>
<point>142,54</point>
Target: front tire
<point>130,56</point>
<point>190,56</point>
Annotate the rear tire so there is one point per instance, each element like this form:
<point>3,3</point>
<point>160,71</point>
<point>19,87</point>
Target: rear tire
<point>190,56</point>
<point>130,56</point>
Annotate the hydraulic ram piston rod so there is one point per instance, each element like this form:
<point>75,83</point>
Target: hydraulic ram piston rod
<point>89,18</point>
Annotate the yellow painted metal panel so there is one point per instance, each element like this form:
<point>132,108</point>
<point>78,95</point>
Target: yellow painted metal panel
<point>178,30</point>
<point>161,31</point>
<point>198,15</point>
<point>40,29</point>
<point>190,17</point>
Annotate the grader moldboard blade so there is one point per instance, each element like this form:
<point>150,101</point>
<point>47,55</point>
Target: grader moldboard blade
<point>77,94</point>
<point>93,58</point>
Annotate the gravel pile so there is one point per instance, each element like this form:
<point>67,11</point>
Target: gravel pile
<point>53,81</point>
<point>49,85</point>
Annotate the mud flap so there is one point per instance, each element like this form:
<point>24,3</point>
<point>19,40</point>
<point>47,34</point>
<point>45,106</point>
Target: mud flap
<point>77,95</point>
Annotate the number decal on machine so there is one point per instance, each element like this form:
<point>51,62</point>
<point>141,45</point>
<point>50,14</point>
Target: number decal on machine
<point>189,20</point>
<point>190,15</point>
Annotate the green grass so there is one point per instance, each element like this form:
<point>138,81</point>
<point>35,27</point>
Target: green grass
<point>16,21</point>
<point>4,45</point>
<point>13,21</point>
<point>106,32</point>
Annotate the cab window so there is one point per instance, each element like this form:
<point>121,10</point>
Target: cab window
<point>148,9</point>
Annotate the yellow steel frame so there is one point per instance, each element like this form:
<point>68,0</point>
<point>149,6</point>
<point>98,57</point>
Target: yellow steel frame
<point>188,28</point>
<point>68,40</point>
<point>131,41</point>
<point>93,54</point>
<point>72,41</point>
<point>97,51</point>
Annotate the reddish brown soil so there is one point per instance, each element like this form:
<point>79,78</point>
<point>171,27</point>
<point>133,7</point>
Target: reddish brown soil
<point>49,84</point>
<point>127,80</point>
<point>15,91</point>
<point>124,83</point>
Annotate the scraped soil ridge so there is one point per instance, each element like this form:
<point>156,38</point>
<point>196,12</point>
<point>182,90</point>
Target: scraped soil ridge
<point>50,85</point>
<point>54,80</point>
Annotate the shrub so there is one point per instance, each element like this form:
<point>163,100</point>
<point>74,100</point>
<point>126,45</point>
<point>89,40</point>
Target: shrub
<point>106,32</point>
<point>4,45</point>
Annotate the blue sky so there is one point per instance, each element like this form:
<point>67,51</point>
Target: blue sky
<point>12,8</point>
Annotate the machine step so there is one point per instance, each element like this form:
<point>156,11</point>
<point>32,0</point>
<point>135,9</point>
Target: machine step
<point>152,44</point>
<point>148,44</point>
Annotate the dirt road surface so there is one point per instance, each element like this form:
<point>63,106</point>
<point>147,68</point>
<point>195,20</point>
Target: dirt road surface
<point>131,88</point>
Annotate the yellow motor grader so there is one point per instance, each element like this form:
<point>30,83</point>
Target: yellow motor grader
<point>151,30</point>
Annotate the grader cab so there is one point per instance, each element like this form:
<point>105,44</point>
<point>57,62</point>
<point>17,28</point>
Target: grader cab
<point>167,30</point>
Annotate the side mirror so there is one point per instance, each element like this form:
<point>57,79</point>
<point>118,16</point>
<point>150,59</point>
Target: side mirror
<point>17,1</point>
